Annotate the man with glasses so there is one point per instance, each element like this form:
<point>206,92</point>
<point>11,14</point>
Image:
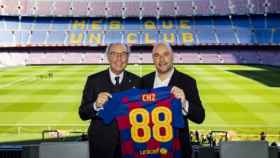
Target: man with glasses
<point>103,138</point>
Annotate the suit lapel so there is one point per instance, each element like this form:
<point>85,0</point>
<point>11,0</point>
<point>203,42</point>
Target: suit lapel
<point>150,81</point>
<point>173,79</point>
<point>108,77</point>
<point>108,80</point>
<point>124,81</point>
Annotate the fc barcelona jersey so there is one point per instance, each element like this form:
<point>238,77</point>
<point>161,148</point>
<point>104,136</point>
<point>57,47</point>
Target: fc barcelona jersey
<point>148,122</point>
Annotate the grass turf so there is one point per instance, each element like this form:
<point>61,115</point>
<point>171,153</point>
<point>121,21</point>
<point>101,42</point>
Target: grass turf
<point>236,97</point>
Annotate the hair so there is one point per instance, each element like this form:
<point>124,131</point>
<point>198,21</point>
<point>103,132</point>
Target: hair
<point>164,44</point>
<point>110,45</point>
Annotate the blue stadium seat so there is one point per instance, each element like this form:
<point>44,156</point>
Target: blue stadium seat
<point>42,24</point>
<point>11,23</point>
<point>206,36</point>
<point>38,37</point>
<point>132,24</point>
<point>203,23</point>
<point>226,36</point>
<point>258,21</point>
<point>6,38</point>
<point>61,24</point>
<point>56,38</point>
<point>263,36</point>
<point>222,22</point>
<point>273,21</point>
<point>241,21</point>
<point>22,37</point>
<point>245,36</point>
<point>276,36</point>
<point>26,23</point>
<point>2,24</point>
<point>113,37</point>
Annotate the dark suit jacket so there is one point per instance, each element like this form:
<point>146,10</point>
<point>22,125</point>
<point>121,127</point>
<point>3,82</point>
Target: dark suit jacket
<point>196,111</point>
<point>103,139</point>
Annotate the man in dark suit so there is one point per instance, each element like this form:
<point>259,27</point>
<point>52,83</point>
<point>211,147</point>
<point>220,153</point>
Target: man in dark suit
<point>183,87</point>
<point>104,139</point>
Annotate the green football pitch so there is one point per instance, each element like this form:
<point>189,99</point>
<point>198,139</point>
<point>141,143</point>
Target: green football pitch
<point>240,98</point>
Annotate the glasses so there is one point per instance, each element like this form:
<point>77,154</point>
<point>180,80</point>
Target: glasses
<point>122,54</point>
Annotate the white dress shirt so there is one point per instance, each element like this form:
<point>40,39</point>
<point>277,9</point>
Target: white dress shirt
<point>112,77</point>
<point>163,83</point>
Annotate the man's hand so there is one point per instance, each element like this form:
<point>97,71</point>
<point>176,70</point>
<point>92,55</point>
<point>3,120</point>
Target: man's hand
<point>179,94</point>
<point>102,98</point>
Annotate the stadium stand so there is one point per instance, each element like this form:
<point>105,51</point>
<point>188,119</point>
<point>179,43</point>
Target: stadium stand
<point>8,59</point>
<point>80,8</point>
<point>167,9</point>
<point>209,55</point>
<point>184,8</point>
<point>149,9</point>
<point>202,7</point>
<point>44,8</point>
<point>115,9</point>
<point>132,8</point>
<point>223,30</point>
<point>144,9</point>
<point>97,9</point>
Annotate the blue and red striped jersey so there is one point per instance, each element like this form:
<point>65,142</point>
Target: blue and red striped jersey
<point>148,122</point>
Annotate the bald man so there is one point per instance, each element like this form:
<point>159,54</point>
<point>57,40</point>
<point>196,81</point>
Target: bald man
<point>183,87</point>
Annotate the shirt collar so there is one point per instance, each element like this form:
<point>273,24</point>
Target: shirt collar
<point>113,75</point>
<point>162,83</point>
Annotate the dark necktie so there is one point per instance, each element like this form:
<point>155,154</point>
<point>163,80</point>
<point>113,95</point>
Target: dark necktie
<point>117,81</point>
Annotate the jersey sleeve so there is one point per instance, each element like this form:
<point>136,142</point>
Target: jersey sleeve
<point>107,113</point>
<point>115,106</point>
<point>178,118</point>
